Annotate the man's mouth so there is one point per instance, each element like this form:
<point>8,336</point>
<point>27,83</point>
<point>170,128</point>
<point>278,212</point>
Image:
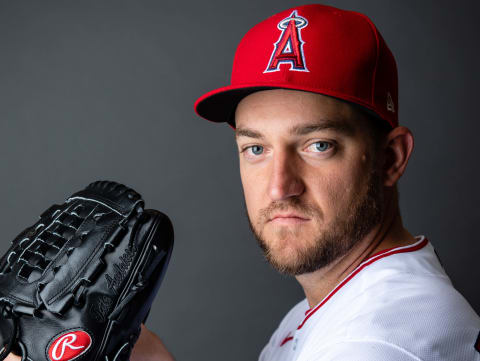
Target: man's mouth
<point>288,218</point>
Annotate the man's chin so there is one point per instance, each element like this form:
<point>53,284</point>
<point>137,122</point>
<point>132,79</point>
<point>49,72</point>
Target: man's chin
<point>288,259</point>
<point>287,266</point>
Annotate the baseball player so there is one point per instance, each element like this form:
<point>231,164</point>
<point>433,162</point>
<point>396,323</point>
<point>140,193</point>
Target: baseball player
<point>313,103</point>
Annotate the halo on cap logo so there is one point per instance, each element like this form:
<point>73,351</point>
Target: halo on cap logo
<point>289,47</point>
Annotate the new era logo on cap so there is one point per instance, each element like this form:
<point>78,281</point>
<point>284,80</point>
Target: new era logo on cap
<point>390,103</point>
<point>313,48</point>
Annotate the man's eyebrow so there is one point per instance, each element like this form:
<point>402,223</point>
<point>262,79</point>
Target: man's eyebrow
<point>245,132</point>
<point>335,125</point>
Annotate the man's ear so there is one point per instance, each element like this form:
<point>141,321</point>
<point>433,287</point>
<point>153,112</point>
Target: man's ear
<point>398,147</point>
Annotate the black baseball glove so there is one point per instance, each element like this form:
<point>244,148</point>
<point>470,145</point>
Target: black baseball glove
<point>79,282</point>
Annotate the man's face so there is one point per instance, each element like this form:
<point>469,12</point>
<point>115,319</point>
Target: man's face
<point>309,177</point>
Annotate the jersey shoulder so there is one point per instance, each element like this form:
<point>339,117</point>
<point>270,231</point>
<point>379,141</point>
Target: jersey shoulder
<point>412,306</point>
<point>403,304</point>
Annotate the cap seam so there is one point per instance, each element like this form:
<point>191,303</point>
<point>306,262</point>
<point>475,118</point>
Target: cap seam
<point>377,51</point>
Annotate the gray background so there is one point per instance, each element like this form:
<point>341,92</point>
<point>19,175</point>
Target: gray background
<point>104,90</point>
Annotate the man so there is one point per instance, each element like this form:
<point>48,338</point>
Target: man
<point>313,102</point>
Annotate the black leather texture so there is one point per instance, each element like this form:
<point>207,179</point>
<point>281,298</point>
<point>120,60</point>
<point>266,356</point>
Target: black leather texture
<point>80,281</point>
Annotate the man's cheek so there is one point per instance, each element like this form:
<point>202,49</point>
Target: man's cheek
<point>253,210</point>
<point>256,199</point>
<point>329,192</point>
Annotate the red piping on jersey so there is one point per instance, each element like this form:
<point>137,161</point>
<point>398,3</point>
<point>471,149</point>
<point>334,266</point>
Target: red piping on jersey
<point>369,261</point>
<point>372,256</point>
<point>289,338</point>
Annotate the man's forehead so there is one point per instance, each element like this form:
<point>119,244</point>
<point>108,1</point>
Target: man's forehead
<point>337,124</point>
<point>294,109</point>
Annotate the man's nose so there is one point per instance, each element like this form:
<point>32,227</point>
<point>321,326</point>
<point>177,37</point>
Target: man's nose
<point>285,180</point>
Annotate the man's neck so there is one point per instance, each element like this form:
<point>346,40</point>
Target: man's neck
<point>387,234</point>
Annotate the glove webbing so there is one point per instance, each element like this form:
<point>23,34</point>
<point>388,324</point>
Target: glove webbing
<point>38,255</point>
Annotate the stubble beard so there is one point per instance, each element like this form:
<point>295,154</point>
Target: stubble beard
<point>350,227</point>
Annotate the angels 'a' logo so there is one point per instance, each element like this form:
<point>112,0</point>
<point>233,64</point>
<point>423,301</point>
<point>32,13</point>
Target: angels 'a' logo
<point>289,47</point>
<point>69,346</point>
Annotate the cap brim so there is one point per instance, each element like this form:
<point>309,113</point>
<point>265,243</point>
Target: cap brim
<point>219,105</point>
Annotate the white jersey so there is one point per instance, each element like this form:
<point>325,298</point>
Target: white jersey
<point>398,305</point>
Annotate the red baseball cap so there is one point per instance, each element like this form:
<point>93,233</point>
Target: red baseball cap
<point>313,48</point>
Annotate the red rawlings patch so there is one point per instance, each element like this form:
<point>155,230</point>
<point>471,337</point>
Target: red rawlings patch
<point>69,346</point>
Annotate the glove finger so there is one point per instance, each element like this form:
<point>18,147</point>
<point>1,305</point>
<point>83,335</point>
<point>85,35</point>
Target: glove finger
<point>8,333</point>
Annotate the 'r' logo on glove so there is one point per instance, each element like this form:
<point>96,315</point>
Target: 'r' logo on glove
<point>69,346</point>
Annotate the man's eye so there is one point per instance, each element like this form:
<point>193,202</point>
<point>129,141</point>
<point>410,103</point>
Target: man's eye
<point>255,149</point>
<point>320,147</point>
